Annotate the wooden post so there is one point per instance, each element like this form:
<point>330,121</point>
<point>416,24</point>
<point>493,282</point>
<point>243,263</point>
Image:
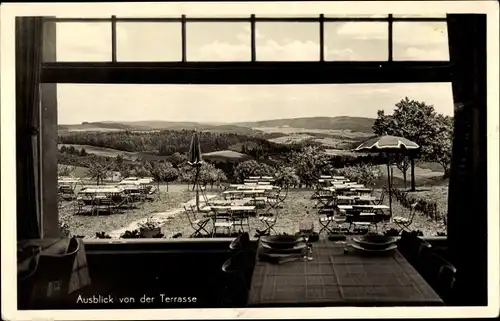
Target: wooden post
<point>412,159</point>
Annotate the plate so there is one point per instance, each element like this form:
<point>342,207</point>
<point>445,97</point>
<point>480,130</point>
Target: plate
<point>387,249</point>
<point>296,248</point>
<point>376,243</point>
<point>282,241</point>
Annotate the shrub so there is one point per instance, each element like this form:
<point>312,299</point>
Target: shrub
<point>428,208</point>
<point>102,235</point>
<point>64,226</point>
<point>131,234</point>
<point>364,174</point>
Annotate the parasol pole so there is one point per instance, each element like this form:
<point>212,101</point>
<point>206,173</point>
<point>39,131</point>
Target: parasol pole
<point>197,187</point>
<point>389,182</point>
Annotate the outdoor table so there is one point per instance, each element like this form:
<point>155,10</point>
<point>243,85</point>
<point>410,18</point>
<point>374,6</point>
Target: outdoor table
<point>102,191</point>
<point>234,209</point>
<point>333,278</point>
<point>357,198</point>
<point>375,207</point>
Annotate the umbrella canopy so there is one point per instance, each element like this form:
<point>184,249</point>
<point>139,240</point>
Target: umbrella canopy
<point>388,144</point>
<point>195,158</point>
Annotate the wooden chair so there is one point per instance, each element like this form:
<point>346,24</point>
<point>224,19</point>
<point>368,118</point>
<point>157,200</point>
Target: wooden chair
<point>438,272</point>
<point>222,218</point>
<point>360,220</point>
<point>198,225</point>
<point>413,248</point>
<point>269,221</point>
<point>404,222</point>
<point>236,283</point>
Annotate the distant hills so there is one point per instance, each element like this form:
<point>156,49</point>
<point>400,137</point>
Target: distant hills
<point>355,124</point>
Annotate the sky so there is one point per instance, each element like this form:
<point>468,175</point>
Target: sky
<point>230,41</point>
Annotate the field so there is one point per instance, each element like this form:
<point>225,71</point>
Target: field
<point>105,152</point>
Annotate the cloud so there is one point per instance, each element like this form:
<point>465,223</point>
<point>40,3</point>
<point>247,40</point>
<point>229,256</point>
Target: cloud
<point>425,54</point>
<point>414,33</point>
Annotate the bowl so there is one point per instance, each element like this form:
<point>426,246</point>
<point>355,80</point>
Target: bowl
<point>378,238</point>
<point>282,241</point>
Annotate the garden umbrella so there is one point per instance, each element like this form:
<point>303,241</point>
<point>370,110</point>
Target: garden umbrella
<point>388,144</point>
<point>195,160</point>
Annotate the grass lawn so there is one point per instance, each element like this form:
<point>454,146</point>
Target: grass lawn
<point>88,226</point>
<point>299,205</point>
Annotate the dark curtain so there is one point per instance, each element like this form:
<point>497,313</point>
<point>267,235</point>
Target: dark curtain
<point>29,33</point>
<point>467,207</point>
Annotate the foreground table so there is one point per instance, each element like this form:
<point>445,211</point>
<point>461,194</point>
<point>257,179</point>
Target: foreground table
<point>333,278</point>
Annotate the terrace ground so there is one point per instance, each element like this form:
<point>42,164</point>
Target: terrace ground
<point>297,205</point>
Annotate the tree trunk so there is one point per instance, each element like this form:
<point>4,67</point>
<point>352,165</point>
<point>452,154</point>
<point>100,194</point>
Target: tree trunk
<point>412,174</point>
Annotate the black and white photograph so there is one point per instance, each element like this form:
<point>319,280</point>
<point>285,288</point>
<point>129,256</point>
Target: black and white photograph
<point>178,156</point>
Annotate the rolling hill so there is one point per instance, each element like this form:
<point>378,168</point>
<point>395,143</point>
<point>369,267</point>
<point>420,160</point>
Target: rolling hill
<point>156,125</point>
<point>355,124</point>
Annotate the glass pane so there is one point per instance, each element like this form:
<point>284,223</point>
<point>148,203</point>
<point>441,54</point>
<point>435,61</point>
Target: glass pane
<point>83,41</point>
<point>287,15</point>
<point>355,15</point>
<point>287,41</point>
<point>427,15</point>
<point>356,41</point>
<point>148,41</point>
<point>420,41</point>
<point>218,41</point>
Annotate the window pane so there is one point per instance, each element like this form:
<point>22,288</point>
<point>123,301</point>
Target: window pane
<point>148,41</point>
<point>218,41</point>
<point>83,41</point>
<point>287,15</point>
<point>287,41</point>
<point>429,15</point>
<point>356,41</point>
<point>355,15</point>
<point>420,41</point>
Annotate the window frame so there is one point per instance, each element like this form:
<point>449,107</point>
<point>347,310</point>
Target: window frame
<point>220,73</point>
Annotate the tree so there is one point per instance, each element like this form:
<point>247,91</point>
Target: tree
<point>402,163</point>
<point>121,167</point>
<point>169,173</point>
<point>178,159</point>
<point>65,170</point>
<point>252,168</point>
<point>155,169</point>
<point>286,176</point>
<point>83,152</point>
<point>420,123</point>
<point>99,170</point>
<point>310,163</point>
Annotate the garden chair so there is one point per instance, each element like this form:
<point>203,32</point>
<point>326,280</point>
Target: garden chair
<point>241,219</point>
<point>323,198</point>
<point>326,220</point>
<point>405,222</point>
<point>360,220</point>
<point>198,225</point>
<point>222,219</point>
<point>269,220</point>
<point>380,201</point>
